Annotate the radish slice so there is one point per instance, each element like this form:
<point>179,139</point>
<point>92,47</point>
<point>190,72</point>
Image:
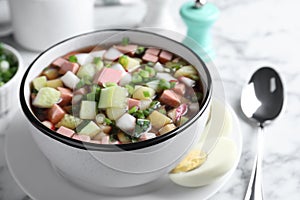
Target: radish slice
<point>70,80</point>
<point>165,76</point>
<point>119,67</point>
<point>84,58</point>
<point>126,123</point>
<point>126,79</point>
<point>187,81</point>
<point>112,54</point>
<point>98,53</point>
<point>158,67</point>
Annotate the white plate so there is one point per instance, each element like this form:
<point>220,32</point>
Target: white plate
<point>40,181</point>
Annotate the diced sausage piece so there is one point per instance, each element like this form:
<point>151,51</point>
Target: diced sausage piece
<point>69,66</point>
<point>150,58</point>
<point>152,51</point>
<point>133,102</point>
<point>108,75</point>
<point>130,48</point>
<point>179,89</point>
<point>170,98</point>
<point>165,56</point>
<point>147,136</point>
<point>59,62</point>
<point>55,114</point>
<point>84,138</point>
<point>49,125</point>
<point>65,131</point>
<point>66,96</point>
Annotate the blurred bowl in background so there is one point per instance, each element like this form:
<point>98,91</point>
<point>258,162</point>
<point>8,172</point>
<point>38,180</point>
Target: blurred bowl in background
<point>9,91</point>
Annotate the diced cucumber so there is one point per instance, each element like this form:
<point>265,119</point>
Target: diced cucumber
<point>86,71</point>
<point>91,129</point>
<point>69,121</point>
<point>70,79</point>
<point>46,97</point>
<point>115,113</point>
<point>39,82</point>
<point>88,110</point>
<point>114,96</point>
<point>143,93</point>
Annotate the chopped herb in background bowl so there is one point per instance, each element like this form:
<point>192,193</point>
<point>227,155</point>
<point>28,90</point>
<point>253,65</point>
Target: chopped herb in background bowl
<point>8,65</point>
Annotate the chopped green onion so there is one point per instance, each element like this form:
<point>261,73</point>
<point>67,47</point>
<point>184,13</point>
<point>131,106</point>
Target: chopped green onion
<point>125,41</point>
<point>123,60</point>
<point>151,71</point>
<point>107,121</point>
<point>97,60</point>
<point>130,89</point>
<point>144,74</point>
<point>133,110</point>
<point>109,84</point>
<point>163,84</point>
<point>140,50</point>
<point>146,94</point>
<point>172,84</point>
<point>136,78</point>
<point>139,114</point>
<point>155,104</point>
<point>73,59</point>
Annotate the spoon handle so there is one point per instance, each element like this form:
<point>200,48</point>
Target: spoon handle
<point>254,190</point>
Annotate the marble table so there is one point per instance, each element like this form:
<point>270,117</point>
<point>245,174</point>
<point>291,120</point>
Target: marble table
<point>249,34</point>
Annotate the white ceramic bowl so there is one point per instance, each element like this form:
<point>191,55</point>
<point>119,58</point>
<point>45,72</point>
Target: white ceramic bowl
<point>94,165</point>
<point>9,92</point>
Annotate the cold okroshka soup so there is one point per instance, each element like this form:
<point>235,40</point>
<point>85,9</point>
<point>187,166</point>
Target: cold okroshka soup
<point>117,94</point>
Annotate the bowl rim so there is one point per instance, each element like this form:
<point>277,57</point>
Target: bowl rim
<point>112,147</point>
<point>19,58</point>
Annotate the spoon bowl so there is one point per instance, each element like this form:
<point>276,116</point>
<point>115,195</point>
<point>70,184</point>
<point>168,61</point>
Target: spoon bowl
<point>262,101</point>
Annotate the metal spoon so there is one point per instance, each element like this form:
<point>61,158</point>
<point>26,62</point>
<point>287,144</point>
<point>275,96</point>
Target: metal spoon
<point>262,101</point>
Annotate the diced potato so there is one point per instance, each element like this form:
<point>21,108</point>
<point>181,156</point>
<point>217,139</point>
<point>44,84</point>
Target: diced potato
<point>39,82</point>
<point>167,128</point>
<point>51,73</point>
<point>158,120</point>
<point>187,71</point>
<point>115,113</point>
<point>55,83</point>
<point>88,110</point>
<point>46,97</point>
<point>143,93</point>
<point>123,138</point>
